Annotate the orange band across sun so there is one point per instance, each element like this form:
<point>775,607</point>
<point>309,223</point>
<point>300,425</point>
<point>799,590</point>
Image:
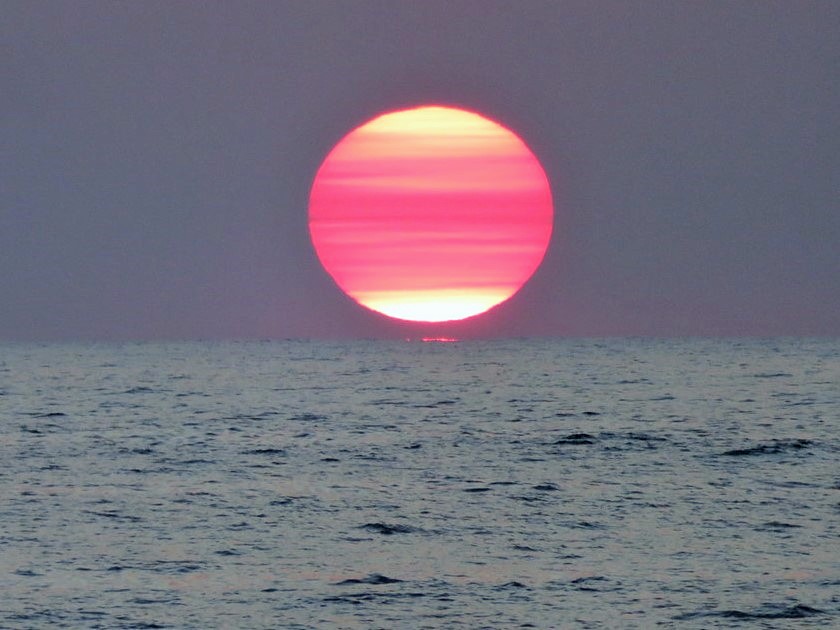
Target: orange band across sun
<point>430,214</point>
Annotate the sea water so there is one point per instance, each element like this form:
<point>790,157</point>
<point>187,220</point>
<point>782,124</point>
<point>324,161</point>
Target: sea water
<point>619,483</point>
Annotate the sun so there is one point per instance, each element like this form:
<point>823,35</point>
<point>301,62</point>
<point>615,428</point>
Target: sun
<point>430,214</point>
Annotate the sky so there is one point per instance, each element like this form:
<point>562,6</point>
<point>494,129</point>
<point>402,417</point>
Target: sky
<point>157,159</point>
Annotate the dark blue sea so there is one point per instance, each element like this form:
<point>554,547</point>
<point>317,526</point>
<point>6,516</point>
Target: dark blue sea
<point>620,483</point>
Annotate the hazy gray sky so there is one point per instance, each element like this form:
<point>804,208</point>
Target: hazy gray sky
<point>157,159</point>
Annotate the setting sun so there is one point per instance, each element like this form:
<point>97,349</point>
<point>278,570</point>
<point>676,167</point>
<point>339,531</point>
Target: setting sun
<point>430,214</point>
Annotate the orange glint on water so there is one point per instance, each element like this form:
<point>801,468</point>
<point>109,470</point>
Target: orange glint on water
<point>430,214</point>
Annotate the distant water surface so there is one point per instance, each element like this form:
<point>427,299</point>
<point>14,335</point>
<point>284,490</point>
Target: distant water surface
<point>496,484</point>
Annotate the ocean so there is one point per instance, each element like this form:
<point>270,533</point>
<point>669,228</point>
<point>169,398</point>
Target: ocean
<point>528,483</point>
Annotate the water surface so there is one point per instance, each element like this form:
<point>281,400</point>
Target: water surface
<point>498,484</point>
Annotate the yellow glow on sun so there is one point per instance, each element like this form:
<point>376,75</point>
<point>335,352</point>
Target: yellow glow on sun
<point>436,305</point>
